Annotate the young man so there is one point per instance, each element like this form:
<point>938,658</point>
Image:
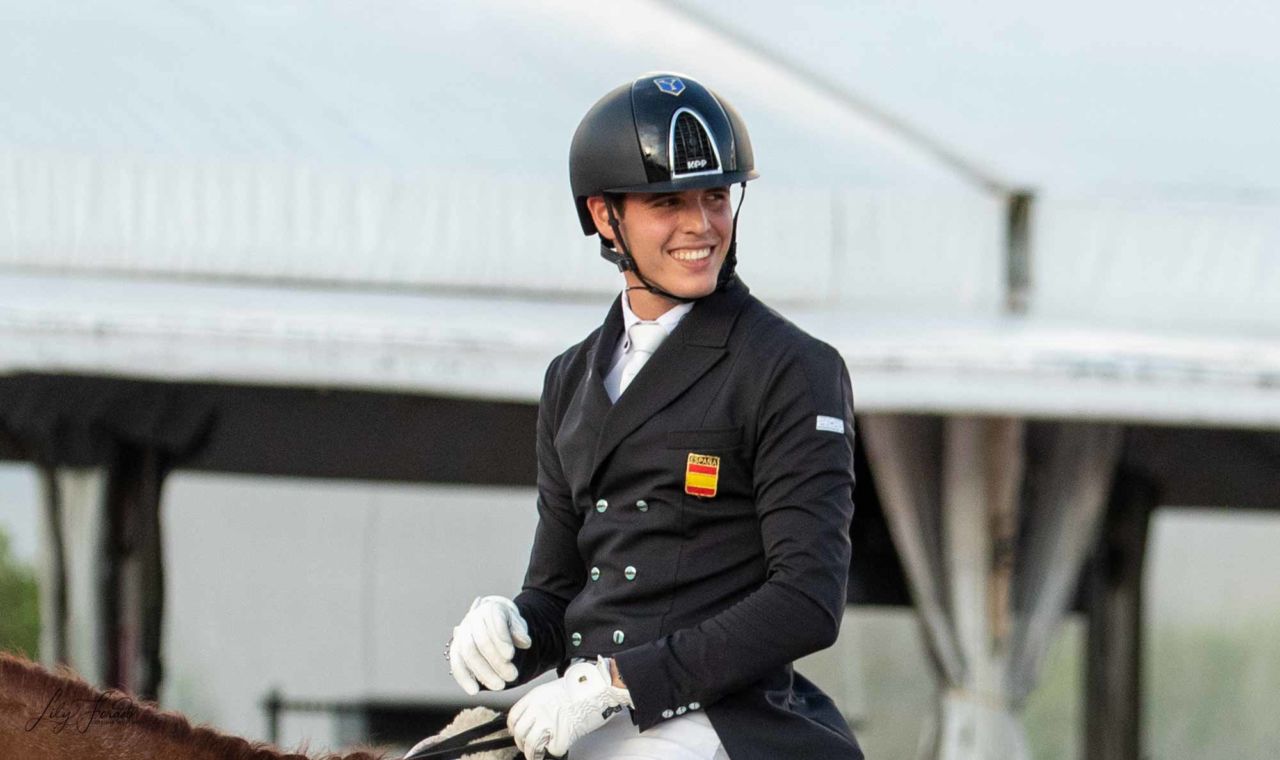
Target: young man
<point>695,477</point>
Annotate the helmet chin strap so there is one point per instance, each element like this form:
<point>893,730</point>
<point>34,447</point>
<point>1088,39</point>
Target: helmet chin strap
<point>626,261</point>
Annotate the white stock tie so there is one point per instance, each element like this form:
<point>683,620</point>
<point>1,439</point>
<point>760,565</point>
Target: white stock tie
<point>645,339</point>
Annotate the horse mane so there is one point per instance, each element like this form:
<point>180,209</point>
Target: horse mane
<point>26,686</point>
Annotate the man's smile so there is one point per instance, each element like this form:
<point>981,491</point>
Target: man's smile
<point>691,254</point>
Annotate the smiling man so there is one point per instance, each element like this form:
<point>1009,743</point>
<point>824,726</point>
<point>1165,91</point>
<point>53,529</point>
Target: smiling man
<point>695,477</point>
<point>678,238</point>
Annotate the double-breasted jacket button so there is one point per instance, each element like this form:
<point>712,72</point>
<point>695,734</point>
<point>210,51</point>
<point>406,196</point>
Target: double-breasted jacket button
<point>602,505</point>
<point>642,505</point>
<point>619,637</point>
<point>668,714</point>
<point>695,705</point>
<point>577,639</point>
<point>595,573</point>
<point>681,710</point>
<point>630,573</point>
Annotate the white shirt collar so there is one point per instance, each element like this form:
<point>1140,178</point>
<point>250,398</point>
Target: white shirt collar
<point>668,319</point>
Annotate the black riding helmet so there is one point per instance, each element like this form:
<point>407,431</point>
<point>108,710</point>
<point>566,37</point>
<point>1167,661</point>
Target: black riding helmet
<point>661,133</point>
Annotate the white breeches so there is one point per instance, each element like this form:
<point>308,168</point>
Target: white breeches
<point>688,737</point>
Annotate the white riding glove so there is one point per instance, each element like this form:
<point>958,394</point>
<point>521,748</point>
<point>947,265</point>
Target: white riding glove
<point>550,718</point>
<point>485,642</point>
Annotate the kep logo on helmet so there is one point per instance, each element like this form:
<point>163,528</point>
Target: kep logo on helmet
<point>670,85</point>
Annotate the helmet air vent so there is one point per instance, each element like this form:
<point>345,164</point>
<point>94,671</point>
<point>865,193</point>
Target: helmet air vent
<point>692,149</point>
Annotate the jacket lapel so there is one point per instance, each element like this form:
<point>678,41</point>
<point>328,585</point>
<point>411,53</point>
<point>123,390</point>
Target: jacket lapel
<point>597,401</point>
<point>589,408</point>
<point>695,346</point>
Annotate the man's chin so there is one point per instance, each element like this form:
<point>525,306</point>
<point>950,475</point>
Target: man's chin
<point>692,292</point>
<point>686,287</point>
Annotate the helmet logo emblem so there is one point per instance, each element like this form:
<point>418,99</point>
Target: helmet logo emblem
<point>670,85</point>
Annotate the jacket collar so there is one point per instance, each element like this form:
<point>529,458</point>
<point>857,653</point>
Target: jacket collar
<point>695,346</point>
<point>708,324</point>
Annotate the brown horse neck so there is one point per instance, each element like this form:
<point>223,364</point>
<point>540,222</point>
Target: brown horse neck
<point>48,716</point>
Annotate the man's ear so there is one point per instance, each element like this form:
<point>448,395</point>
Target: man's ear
<point>600,215</point>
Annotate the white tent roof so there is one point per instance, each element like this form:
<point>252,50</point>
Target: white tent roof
<point>363,196</point>
<point>1154,98</point>
<point>493,86</point>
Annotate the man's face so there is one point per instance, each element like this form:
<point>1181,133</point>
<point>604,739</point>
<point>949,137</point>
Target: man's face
<point>679,240</point>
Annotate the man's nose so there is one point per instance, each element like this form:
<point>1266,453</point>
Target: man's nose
<point>695,217</point>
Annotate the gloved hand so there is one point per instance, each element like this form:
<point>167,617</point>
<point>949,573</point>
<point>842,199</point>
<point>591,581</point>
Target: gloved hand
<point>484,643</point>
<point>550,718</point>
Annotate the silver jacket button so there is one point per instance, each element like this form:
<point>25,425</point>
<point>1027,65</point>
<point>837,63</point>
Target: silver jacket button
<point>577,639</point>
<point>595,573</point>
<point>695,705</point>
<point>602,505</point>
<point>681,710</point>
<point>668,714</point>
<point>618,637</point>
<point>642,505</point>
<point>630,573</point>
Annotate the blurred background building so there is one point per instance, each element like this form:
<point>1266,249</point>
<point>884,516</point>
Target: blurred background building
<point>279,282</point>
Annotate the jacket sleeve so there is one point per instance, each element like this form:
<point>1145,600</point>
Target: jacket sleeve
<point>555,573</point>
<point>803,485</point>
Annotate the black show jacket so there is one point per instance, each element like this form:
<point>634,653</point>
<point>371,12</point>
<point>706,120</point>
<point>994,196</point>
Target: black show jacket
<point>703,602</point>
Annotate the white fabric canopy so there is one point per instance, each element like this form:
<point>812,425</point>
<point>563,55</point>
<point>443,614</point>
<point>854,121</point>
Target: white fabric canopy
<point>423,146</point>
<point>1154,99</point>
<point>991,564</point>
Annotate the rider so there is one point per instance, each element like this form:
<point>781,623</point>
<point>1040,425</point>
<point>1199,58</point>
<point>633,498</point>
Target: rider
<point>695,476</point>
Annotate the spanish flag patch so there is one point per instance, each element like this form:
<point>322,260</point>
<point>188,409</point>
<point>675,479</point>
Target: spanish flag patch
<point>701,475</point>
